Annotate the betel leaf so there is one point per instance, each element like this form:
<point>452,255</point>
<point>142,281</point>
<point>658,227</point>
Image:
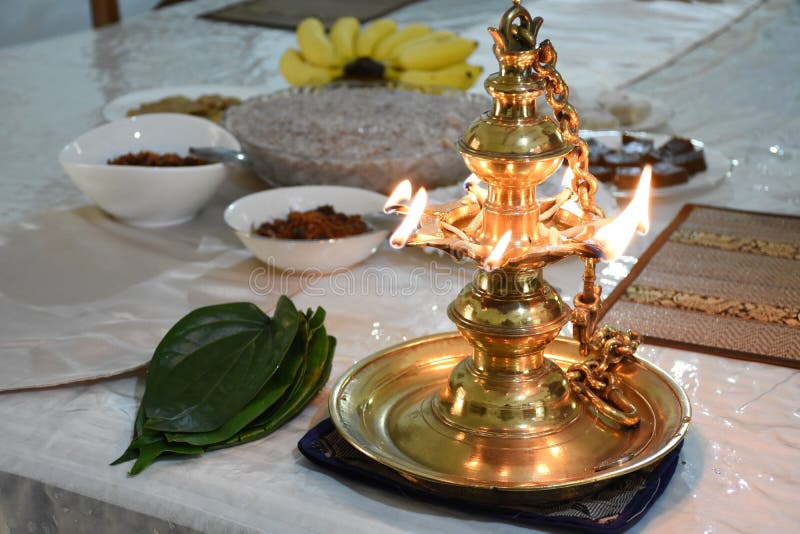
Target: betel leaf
<point>317,371</point>
<point>195,330</point>
<point>204,378</point>
<point>300,359</point>
<point>269,394</point>
<point>150,452</point>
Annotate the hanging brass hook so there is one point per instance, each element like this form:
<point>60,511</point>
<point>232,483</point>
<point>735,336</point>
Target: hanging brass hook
<point>516,37</point>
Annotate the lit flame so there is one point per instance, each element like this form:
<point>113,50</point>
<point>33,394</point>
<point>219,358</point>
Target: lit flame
<point>614,237</point>
<point>409,225</point>
<point>495,259</point>
<point>400,194</point>
<point>472,186</point>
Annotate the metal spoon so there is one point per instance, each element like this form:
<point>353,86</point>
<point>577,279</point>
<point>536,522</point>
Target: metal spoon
<point>220,154</point>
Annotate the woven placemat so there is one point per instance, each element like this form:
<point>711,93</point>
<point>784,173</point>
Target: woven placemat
<point>288,13</point>
<point>720,281</point>
<point>613,508</point>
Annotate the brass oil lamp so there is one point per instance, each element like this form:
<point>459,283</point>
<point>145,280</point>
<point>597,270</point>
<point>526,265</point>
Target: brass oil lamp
<point>508,405</point>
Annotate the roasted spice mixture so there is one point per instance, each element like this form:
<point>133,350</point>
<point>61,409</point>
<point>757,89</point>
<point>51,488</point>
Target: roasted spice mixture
<point>320,223</point>
<point>153,159</point>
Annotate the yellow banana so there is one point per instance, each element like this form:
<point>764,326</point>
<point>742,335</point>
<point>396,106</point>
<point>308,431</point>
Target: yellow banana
<point>298,71</point>
<point>315,45</point>
<point>427,40</point>
<point>461,76</point>
<point>435,55</point>
<point>384,49</point>
<point>343,36</point>
<point>372,34</point>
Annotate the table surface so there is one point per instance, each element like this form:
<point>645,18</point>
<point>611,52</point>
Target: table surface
<point>736,91</point>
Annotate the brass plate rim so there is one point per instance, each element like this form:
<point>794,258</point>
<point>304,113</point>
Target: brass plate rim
<point>405,468</point>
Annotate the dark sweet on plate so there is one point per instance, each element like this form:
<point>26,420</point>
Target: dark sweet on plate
<point>146,158</point>
<point>693,161</point>
<point>673,162</point>
<point>602,173</point>
<point>620,158</point>
<point>677,145</point>
<point>320,223</point>
<point>666,174</point>
<point>627,177</point>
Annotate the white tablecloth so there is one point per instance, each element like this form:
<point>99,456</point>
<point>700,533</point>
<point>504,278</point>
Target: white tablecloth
<point>741,461</point>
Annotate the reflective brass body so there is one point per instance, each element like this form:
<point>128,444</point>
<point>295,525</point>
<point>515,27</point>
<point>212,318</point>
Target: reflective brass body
<point>508,387</point>
<point>506,415</point>
<point>384,407</point>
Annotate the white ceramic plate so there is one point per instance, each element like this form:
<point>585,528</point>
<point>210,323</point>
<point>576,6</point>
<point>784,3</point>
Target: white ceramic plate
<point>660,111</point>
<point>118,108</point>
<point>718,166</point>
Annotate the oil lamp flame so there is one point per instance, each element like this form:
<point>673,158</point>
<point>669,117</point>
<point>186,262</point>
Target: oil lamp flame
<point>613,238</point>
<point>411,221</point>
<point>495,259</point>
<point>400,194</point>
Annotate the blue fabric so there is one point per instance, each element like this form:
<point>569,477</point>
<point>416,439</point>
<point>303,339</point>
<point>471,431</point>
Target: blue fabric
<point>614,508</point>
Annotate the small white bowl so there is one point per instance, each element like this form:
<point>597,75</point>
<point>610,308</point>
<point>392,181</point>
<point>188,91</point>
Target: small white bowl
<point>301,255</point>
<point>147,196</point>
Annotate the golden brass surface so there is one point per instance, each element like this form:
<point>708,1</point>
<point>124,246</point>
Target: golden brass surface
<point>506,404</point>
<point>386,407</point>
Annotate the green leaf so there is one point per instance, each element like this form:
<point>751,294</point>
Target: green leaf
<point>317,371</point>
<point>228,374</point>
<point>151,452</point>
<point>278,385</point>
<point>138,432</point>
<point>315,321</point>
<point>208,370</point>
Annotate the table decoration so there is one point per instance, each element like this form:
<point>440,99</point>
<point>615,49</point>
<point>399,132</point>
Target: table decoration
<point>528,416</point>
<point>414,54</point>
<point>228,374</point>
<point>720,281</point>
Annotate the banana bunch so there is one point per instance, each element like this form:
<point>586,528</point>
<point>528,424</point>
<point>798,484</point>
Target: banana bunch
<point>379,51</point>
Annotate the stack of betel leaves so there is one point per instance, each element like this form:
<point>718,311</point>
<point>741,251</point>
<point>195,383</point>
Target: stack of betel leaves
<point>228,374</point>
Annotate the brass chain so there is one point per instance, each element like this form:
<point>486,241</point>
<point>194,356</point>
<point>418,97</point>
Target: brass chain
<point>595,379</point>
<point>557,93</point>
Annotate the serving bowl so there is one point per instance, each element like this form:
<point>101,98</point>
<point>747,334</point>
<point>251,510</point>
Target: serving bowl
<point>301,255</point>
<point>368,136</point>
<point>147,196</point>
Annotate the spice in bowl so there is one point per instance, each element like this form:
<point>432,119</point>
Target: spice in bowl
<point>153,159</point>
<point>321,223</point>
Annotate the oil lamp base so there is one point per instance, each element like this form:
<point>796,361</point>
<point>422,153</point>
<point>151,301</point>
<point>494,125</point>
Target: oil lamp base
<point>386,406</point>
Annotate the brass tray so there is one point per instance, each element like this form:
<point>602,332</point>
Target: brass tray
<point>382,407</point>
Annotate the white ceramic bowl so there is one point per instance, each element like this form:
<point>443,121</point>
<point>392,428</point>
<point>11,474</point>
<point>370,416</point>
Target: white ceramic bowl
<point>301,255</point>
<point>147,196</point>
